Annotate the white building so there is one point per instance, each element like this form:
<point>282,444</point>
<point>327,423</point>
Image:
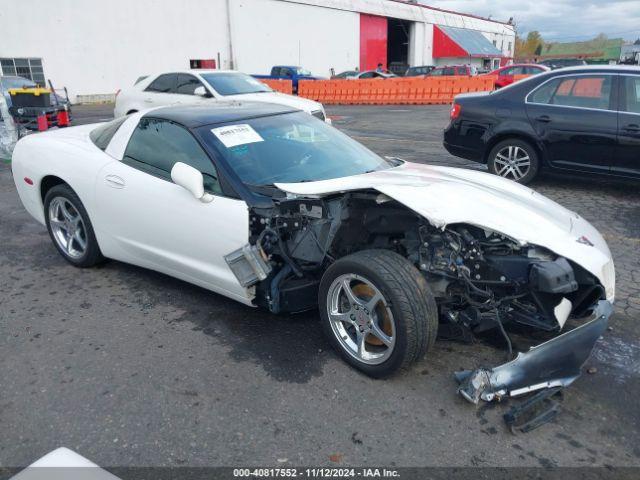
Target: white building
<point>95,47</point>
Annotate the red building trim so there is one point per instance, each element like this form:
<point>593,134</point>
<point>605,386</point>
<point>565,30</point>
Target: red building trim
<point>444,46</point>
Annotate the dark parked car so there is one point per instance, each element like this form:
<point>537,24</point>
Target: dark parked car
<point>417,71</point>
<point>555,63</point>
<point>344,75</point>
<point>582,119</point>
<point>453,70</point>
<point>289,72</point>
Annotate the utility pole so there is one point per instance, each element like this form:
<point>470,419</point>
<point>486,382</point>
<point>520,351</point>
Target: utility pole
<point>231,62</point>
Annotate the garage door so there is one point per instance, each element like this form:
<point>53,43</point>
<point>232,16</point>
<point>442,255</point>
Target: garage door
<point>373,41</point>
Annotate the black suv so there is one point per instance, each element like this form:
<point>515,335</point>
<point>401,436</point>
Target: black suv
<point>582,119</point>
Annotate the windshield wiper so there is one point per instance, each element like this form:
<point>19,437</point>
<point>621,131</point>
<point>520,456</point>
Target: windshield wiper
<point>248,93</point>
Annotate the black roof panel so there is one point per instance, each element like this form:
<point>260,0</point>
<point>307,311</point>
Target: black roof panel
<point>192,116</point>
<point>612,69</point>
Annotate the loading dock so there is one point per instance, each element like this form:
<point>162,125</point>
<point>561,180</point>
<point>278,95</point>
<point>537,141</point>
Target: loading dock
<point>398,35</point>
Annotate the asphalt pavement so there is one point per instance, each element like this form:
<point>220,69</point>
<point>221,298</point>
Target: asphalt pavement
<point>129,367</point>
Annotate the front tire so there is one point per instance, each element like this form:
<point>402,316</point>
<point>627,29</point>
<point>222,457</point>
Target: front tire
<point>70,228</point>
<point>515,160</point>
<point>377,311</point>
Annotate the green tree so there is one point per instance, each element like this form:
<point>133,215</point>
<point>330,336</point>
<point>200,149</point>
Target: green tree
<point>529,47</point>
<point>519,47</point>
<point>534,40</point>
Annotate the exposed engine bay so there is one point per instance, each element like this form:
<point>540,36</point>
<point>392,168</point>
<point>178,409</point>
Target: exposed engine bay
<point>481,280</point>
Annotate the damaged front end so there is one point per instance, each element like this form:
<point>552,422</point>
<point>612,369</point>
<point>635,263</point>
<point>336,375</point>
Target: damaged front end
<point>482,280</point>
<point>555,363</point>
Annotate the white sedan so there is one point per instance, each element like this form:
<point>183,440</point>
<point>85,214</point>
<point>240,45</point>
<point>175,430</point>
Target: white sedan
<point>205,87</point>
<point>371,74</point>
<point>276,209</point>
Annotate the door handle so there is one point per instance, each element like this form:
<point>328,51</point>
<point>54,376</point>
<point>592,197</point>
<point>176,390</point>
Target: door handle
<point>634,128</point>
<point>148,100</point>
<point>114,181</point>
<point>543,119</point>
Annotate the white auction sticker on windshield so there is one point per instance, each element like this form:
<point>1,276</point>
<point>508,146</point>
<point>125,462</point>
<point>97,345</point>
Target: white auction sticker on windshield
<point>234,135</point>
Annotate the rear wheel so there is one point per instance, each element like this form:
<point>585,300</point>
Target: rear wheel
<point>70,228</point>
<point>514,159</point>
<point>377,311</point>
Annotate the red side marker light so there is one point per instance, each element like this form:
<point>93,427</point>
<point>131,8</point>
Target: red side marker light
<point>28,181</point>
<point>455,111</point>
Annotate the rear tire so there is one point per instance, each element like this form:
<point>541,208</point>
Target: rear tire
<point>514,159</point>
<point>70,228</point>
<point>386,320</point>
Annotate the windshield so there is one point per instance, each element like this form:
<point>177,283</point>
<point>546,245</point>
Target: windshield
<point>293,147</point>
<point>234,83</point>
<point>303,71</point>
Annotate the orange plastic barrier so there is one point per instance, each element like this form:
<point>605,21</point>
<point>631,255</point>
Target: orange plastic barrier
<point>284,86</point>
<point>395,91</point>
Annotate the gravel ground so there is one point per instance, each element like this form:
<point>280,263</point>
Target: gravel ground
<point>133,368</point>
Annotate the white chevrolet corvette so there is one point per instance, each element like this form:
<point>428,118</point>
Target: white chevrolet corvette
<point>276,209</point>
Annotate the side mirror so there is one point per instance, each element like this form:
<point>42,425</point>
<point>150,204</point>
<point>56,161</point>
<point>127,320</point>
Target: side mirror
<point>201,92</point>
<point>191,180</point>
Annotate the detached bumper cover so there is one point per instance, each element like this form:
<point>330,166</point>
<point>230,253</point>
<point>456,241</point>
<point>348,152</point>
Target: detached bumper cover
<point>555,363</point>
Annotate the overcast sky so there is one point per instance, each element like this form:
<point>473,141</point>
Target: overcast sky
<point>559,20</point>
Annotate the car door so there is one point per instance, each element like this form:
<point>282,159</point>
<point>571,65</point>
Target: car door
<point>161,91</point>
<point>532,70</point>
<point>575,120</point>
<point>507,76</point>
<point>186,86</point>
<point>627,155</point>
<point>149,221</point>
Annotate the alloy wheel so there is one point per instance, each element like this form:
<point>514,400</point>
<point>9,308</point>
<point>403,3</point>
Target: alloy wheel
<point>67,227</point>
<point>512,162</point>
<point>361,319</point>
